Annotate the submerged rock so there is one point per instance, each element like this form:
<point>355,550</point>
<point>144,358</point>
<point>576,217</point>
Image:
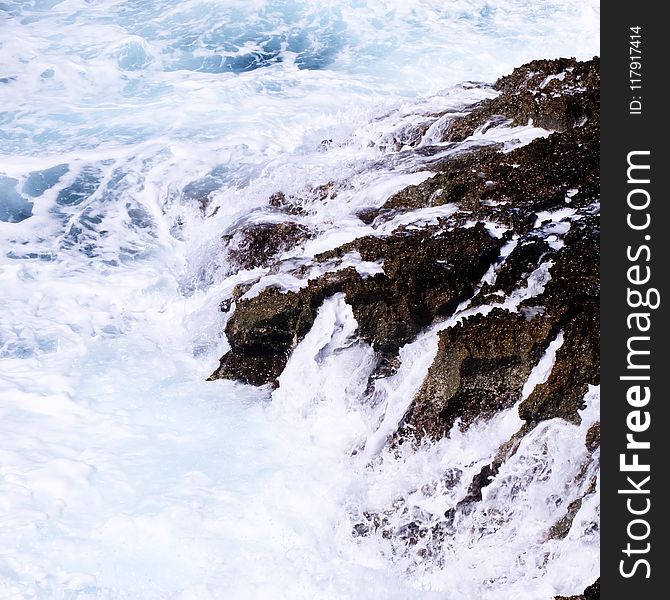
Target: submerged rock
<point>592,440</point>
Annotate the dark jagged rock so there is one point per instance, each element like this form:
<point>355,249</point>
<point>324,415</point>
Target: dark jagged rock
<point>255,244</point>
<point>472,378</point>
<point>456,177</point>
<point>264,329</point>
<point>278,200</point>
<point>592,440</point>
<point>572,296</point>
<point>560,529</point>
<point>575,276</point>
<point>290,205</point>
<point>368,215</point>
<point>299,203</point>
<point>481,364</point>
<point>590,593</point>
<point>508,187</point>
<point>553,94</point>
<point>480,367</point>
<point>576,366</point>
<point>426,274</point>
<point>479,482</point>
<point>514,272</point>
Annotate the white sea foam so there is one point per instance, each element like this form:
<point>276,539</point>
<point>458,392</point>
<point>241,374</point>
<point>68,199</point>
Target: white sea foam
<point>133,135</point>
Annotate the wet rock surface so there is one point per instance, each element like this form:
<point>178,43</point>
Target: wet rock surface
<point>554,94</point>
<point>483,362</point>
<point>593,437</point>
<point>480,368</point>
<point>518,257</point>
<point>426,274</point>
<point>506,187</point>
<point>254,245</point>
<point>572,299</point>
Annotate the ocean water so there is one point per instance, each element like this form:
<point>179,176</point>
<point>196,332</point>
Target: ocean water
<point>135,138</point>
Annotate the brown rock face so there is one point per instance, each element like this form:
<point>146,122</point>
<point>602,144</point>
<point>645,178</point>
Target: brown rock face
<point>506,188</point>
<point>475,373</point>
<point>593,437</point>
<point>426,274</point>
<point>255,244</point>
<point>480,368</point>
<point>544,197</point>
<point>481,364</point>
<point>554,94</point>
<point>572,298</point>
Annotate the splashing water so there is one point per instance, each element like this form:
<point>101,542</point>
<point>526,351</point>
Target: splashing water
<point>133,135</point>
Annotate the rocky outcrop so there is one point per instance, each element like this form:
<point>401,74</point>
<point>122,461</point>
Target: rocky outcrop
<point>552,94</point>
<point>482,363</point>
<point>541,203</point>
<point>475,372</point>
<point>480,367</point>
<point>426,274</point>
<point>572,299</point>
<point>254,245</point>
<point>506,187</point>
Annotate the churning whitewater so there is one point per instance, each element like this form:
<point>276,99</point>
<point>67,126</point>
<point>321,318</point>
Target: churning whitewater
<point>136,138</point>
